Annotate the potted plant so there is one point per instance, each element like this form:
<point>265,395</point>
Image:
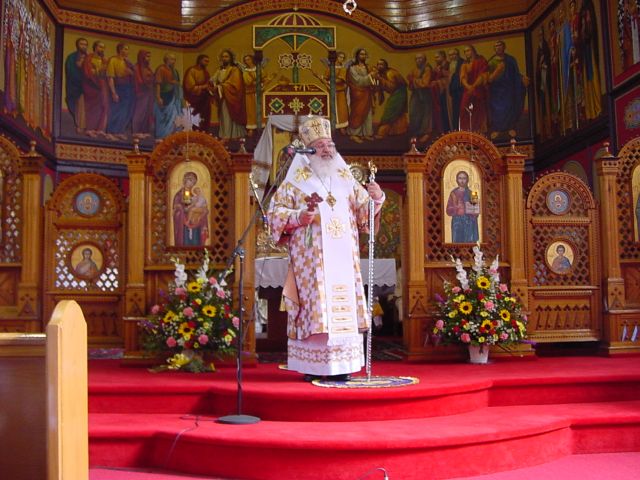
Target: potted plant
<point>479,311</point>
<point>194,323</point>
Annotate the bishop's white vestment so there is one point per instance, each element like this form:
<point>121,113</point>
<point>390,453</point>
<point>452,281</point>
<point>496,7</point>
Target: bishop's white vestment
<point>324,293</point>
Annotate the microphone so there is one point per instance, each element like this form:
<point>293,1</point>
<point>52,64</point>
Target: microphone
<point>292,149</point>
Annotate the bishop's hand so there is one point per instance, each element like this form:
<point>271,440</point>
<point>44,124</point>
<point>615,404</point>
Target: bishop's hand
<point>375,192</point>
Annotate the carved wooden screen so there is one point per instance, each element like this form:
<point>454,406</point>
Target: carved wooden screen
<point>628,195</point>
<point>84,253</point>
<point>10,234</point>
<point>484,158</point>
<point>562,268</point>
<point>209,152</point>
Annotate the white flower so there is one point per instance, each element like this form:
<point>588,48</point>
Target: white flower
<point>462,273</point>
<point>180,274</point>
<point>202,273</point>
<point>493,270</point>
<point>478,262</point>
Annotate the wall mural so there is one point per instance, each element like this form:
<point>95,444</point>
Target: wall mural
<point>382,97</point>
<point>26,51</point>
<point>115,90</point>
<point>568,63</point>
<point>624,29</point>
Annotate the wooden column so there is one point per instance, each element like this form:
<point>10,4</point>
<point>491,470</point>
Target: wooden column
<point>244,214</point>
<point>613,291</point>
<point>413,243</point>
<point>29,287</point>
<point>135,297</point>
<point>516,240</point>
<point>514,166</point>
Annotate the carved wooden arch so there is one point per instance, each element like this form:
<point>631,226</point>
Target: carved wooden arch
<point>564,304</point>
<point>463,145</point>
<point>576,224</point>
<point>62,199</point>
<point>629,159</point>
<point>87,211</point>
<point>211,152</point>
<point>10,202</point>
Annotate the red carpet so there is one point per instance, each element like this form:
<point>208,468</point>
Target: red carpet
<point>460,420</point>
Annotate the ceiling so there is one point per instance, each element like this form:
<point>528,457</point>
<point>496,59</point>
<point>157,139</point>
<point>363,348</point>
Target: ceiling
<point>404,15</point>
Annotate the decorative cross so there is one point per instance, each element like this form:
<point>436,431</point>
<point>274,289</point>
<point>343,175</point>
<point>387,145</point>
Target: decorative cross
<point>312,201</point>
<point>335,228</point>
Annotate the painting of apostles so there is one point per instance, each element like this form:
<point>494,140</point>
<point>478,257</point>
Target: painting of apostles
<point>86,261</point>
<point>463,203</point>
<point>190,209</point>
<point>560,257</point>
<point>116,94</point>
<point>109,96</point>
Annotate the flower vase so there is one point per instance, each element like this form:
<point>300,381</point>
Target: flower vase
<point>478,353</point>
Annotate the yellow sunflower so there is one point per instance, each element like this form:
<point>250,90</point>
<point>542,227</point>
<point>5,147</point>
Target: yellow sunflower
<point>465,307</point>
<point>194,287</point>
<point>505,315</point>
<point>168,316</point>
<point>483,283</point>
<point>185,330</point>
<point>487,324</point>
<point>209,310</point>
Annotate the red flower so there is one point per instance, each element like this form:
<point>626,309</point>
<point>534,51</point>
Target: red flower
<point>456,329</point>
<point>191,324</point>
<point>480,296</point>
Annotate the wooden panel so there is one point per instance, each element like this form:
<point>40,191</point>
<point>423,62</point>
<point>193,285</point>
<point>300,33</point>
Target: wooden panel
<point>23,413</point>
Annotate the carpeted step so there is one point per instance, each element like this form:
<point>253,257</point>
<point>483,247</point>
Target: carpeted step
<point>486,440</point>
<point>445,389</point>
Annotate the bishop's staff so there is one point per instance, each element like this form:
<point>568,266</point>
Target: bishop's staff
<point>372,177</point>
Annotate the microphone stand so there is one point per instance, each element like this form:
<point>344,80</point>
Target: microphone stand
<point>239,252</point>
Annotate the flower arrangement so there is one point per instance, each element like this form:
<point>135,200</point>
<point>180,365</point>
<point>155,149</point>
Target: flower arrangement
<point>196,317</point>
<point>480,310</point>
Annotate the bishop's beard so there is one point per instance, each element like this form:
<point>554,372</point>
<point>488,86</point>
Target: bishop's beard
<point>323,167</point>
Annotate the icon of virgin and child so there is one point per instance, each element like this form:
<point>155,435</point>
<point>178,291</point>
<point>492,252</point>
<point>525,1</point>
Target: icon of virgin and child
<point>190,213</point>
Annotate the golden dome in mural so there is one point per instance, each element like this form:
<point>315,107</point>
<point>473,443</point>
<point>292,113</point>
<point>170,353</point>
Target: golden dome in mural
<point>294,19</point>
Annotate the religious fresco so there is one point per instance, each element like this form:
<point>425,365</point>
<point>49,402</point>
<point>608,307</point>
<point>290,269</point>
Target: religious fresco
<point>624,34</point>
<point>378,99</point>
<point>117,90</point>
<point>27,43</point>
<point>568,64</point>
<point>462,216</point>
